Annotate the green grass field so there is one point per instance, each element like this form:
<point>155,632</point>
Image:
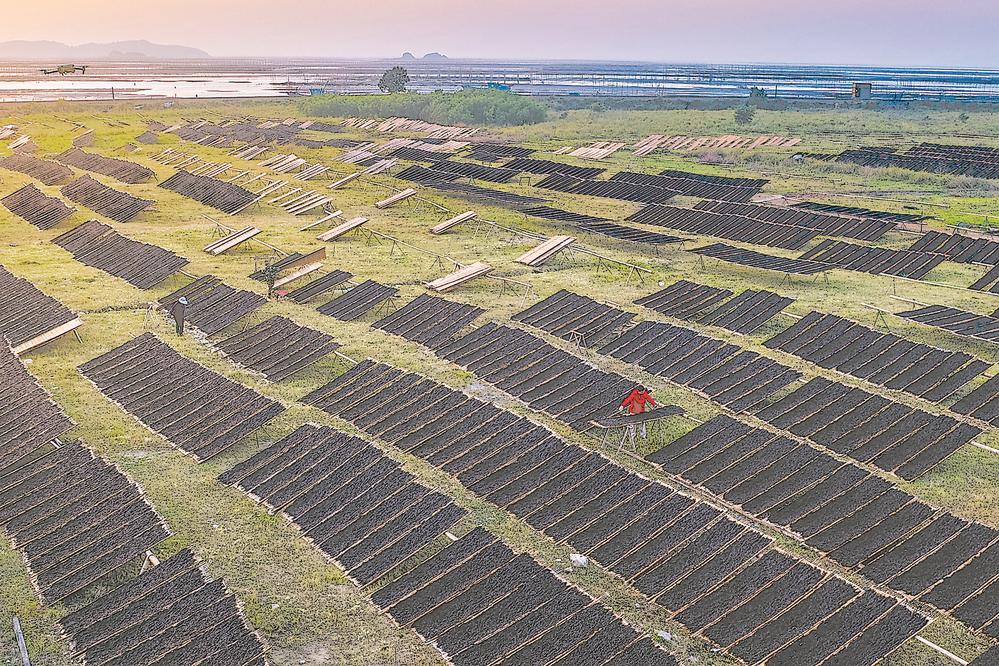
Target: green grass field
<point>305,607</point>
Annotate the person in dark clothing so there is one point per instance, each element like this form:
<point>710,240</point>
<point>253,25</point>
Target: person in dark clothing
<point>178,310</point>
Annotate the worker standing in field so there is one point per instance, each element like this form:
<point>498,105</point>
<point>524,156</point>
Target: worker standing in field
<point>179,312</point>
<point>636,403</point>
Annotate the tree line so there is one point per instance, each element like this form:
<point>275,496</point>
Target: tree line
<point>467,107</point>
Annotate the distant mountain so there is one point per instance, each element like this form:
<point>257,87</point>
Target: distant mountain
<point>409,57</point>
<point>44,50</point>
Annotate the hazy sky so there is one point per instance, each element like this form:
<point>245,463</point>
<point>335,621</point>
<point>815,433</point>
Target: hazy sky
<point>894,32</point>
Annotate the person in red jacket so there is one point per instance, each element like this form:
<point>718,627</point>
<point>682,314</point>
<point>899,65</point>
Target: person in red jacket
<point>637,400</point>
<point>636,403</point>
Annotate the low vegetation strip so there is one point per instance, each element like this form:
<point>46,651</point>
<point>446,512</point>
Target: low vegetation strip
<point>468,107</point>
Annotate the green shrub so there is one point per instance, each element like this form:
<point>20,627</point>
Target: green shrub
<point>394,80</point>
<point>744,115</point>
<point>468,107</point>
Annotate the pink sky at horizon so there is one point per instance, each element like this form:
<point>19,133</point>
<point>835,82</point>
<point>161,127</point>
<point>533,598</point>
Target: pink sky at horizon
<point>880,32</point>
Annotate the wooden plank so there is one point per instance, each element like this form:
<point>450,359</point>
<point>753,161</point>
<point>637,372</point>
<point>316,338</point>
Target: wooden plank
<point>346,179</point>
<point>285,195</point>
<point>302,201</point>
<point>225,244</point>
<point>459,277</point>
<point>291,203</point>
<point>312,257</point>
<point>396,198</point>
<point>301,210</point>
<point>301,272</point>
<point>342,229</point>
<point>56,332</point>
<point>289,166</point>
<point>453,222</point>
<point>546,251</point>
<point>381,167</point>
<point>324,218</point>
<point>21,647</point>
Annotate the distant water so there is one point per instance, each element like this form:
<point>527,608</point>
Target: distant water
<point>260,77</point>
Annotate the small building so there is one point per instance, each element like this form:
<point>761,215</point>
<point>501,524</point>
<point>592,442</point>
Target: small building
<point>863,90</point>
